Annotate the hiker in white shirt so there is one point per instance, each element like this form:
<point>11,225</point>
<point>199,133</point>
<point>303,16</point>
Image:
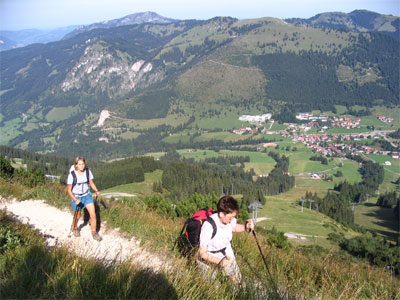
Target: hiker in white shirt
<point>217,250</point>
<point>78,181</point>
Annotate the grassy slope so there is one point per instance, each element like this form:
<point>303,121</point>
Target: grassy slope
<point>227,73</point>
<point>56,273</point>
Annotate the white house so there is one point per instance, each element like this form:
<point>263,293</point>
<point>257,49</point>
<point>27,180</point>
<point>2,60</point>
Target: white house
<point>255,119</point>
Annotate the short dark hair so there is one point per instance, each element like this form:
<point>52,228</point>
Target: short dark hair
<point>227,205</point>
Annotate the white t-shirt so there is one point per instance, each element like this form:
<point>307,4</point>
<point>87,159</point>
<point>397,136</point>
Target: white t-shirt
<point>82,186</point>
<point>221,239</point>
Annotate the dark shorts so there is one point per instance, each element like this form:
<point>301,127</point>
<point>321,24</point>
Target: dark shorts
<point>87,199</point>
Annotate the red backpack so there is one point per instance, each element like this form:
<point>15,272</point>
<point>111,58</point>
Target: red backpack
<point>189,237</point>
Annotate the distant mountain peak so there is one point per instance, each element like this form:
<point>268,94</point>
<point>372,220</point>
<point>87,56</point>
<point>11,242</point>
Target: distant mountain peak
<point>136,18</point>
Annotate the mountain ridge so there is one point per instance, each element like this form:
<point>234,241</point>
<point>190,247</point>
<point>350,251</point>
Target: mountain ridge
<point>135,18</point>
<point>52,94</point>
<point>357,20</point>
<point>10,39</point>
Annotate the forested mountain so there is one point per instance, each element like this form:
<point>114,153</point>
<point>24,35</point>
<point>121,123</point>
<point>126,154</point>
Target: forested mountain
<point>151,80</point>
<point>358,21</point>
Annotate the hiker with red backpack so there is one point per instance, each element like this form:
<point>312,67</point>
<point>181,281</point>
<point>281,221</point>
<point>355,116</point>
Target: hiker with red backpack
<point>78,181</point>
<point>215,239</point>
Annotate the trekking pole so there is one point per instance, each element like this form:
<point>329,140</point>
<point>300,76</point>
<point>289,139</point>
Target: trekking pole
<point>265,262</point>
<point>73,220</point>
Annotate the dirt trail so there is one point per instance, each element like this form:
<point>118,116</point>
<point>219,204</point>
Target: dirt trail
<point>55,225</point>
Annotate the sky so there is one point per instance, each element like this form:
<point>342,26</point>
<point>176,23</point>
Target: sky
<point>50,14</point>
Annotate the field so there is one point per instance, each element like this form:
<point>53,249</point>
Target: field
<point>227,121</point>
<point>309,226</point>
<point>379,220</point>
<point>140,124</point>
<point>9,130</point>
<point>144,188</point>
<point>284,211</point>
<point>60,113</point>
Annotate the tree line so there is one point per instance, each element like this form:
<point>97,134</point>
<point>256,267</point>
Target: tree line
<point>336,204</point>
<point>107,174</point>
<point>124,171</point>
<point>278,180</point>
<point>388,199</point>
<point>320,158</point>
<point>181,179</point>
<point>47,163</point>
<point>395,135</point>
<point>31,177</point>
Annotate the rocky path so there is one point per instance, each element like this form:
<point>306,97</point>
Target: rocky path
<point>55,225</point>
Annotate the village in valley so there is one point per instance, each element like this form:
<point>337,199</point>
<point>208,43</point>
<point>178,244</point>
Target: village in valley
<point>334,144</point>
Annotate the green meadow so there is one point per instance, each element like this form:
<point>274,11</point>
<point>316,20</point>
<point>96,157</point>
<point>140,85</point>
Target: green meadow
<point>285,214</point>
<point>9,130</point>
<point>381,159</point>
<point>340,130</point>
<point>144,188</point>
<point>276,126</point>
<point>61,113</point>
<point>225,136</point>
<point>379,220</point>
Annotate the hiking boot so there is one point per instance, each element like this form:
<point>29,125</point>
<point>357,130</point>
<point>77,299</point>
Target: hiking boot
<point>76,232</point>
<point>96,236</point>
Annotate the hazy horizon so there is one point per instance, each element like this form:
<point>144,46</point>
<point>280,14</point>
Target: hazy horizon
<point>50,14</point>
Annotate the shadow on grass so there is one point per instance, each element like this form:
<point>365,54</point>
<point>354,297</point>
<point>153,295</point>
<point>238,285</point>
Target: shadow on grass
<point>151,285</point>
<point>34,272</point>
<point>384,217</point>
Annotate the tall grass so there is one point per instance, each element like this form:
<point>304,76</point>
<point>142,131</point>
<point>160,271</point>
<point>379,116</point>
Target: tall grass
<point>35,271</point>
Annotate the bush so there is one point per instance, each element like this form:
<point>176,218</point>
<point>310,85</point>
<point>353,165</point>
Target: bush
<point>6,170</point>
<point>376,250</point>
<point>339,174</point>
<point>30,178</point>
<point>336,237</point>
<point>9,240</point>
<point>388,200</point>
<point>276,238</point>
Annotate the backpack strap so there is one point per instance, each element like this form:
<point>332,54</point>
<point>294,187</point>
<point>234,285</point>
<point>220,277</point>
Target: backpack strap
<point>214,226</point>
<point>223,251</point>
<point>74,179</point>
